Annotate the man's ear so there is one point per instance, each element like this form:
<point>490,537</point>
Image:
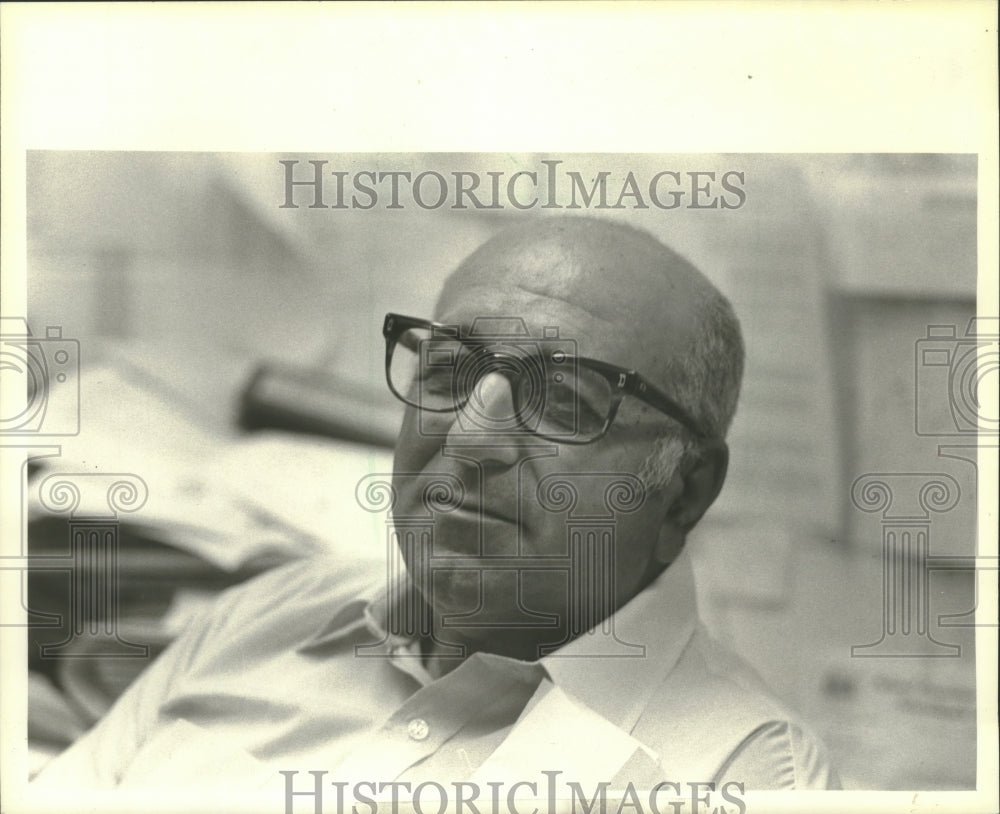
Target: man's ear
<point>693,488</point>
<point>702,475</point>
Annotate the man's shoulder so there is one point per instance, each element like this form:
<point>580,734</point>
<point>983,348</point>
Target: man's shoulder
<point>721,682</point>
<point>329,574</point>
<point>722,667</point>
<point>283,607</point>
<point>715,698</point>
<point>779,750</point>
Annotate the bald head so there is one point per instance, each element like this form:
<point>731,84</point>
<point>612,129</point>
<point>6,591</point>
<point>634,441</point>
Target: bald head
<point>622,295</point>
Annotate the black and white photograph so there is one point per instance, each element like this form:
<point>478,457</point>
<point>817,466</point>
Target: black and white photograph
<point>427,480</point>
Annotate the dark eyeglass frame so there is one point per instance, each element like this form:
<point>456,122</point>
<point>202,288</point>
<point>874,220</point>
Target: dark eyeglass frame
<point>623,381</point>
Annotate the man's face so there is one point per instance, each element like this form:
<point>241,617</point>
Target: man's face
<point>502,514</point>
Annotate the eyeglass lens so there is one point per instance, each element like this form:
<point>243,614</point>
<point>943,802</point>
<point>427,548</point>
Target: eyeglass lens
<point>550,393</point>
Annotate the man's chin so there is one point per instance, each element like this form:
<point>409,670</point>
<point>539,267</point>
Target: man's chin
<point>478,602</point>
<point>454,591</point>
<point>466,534</point>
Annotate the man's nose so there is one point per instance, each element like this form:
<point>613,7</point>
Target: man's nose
<point>488,421</point>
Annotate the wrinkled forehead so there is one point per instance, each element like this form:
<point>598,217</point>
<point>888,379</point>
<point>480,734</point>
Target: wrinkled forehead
<point>619,306</point>
<point>501,305</point>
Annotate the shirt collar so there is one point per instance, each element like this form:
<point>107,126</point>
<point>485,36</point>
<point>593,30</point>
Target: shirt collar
<point>654,627</point>
<point>658,623</point>
<point>364,612</point>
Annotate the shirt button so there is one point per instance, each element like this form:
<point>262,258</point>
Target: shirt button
<point>418,729</point>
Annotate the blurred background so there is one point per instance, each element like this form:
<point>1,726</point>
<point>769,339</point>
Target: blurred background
<point>230,355</point>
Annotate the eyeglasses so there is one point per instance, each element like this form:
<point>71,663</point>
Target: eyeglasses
<point>555,394</point>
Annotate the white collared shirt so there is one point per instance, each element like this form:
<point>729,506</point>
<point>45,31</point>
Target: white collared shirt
<point>272,682</point>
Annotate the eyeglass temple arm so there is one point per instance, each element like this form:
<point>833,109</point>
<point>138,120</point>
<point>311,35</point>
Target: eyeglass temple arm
<point>644,390</point>
<point>634,384</point>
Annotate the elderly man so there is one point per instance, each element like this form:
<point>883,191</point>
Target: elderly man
<point>564,432</point>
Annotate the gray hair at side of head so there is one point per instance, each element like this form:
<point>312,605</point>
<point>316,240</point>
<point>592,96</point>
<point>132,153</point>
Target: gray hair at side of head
<point>706,379</point>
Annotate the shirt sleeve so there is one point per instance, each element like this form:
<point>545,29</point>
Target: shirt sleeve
<point>780,755</point>
<point>98,759</point>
